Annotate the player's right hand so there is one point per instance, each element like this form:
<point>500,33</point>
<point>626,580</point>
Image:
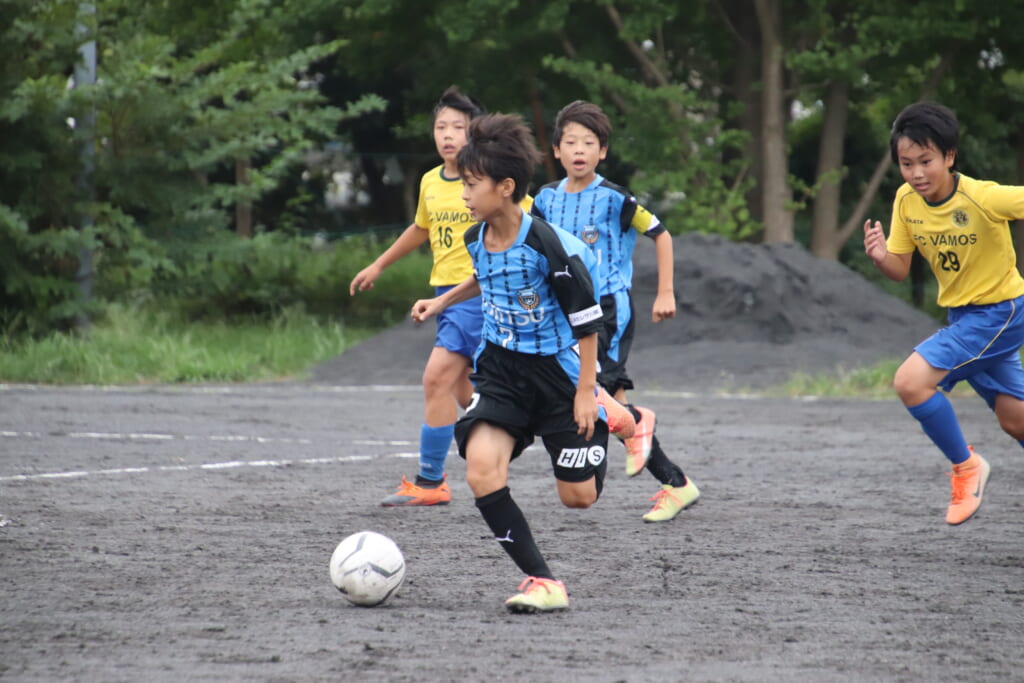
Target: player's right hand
<point>874,242</point>
<point>364,279</point>
<point>424,308</point>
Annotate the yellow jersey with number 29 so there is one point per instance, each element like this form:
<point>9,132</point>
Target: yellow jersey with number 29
<point>965,239</point>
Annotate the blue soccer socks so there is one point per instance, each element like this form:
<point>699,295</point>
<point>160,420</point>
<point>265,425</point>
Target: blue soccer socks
<point>434,445</point>
<point>938,420</point>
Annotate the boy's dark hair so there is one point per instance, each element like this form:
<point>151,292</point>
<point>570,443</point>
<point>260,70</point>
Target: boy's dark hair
<point>454,99</point>
<point>500,146</point>
<point>923,123</point>
<point>588,115</point>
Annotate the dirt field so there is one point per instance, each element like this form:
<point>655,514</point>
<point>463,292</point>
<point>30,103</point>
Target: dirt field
<point>183,534</point>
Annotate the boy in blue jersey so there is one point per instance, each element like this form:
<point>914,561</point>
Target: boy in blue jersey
<point>535,373</point>
<point>609,219</point>
<point>441,218</point>
<point>960,225</point>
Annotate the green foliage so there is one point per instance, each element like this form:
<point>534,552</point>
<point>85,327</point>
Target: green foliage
<point>684,155</point>
<point>37,271</point>
<point>165,124</point>
<point>132,346</point>
<point>873,382</point>
<point>232,278</point>
<point>189,89</point>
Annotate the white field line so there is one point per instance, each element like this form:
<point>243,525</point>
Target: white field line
<point>143,436</point>
<point>208,466</point>
<point>211,466</point>
<point>232,464</point>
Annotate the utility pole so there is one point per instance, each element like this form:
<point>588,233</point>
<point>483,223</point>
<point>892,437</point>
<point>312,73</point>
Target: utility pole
<point>85,76</point>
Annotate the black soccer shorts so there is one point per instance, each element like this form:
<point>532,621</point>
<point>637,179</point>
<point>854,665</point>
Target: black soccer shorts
<point>530,395</point>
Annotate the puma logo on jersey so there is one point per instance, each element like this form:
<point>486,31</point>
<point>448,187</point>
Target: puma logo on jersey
<point>565,273</point>
<point>577,458</point>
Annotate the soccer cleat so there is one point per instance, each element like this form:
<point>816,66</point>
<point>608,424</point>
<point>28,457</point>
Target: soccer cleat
<point>968,480</point>
<point>538,595</point>
<point>638,447</point>
<point>409,493</point>
<point>671,500</point>
<point>620,420</point>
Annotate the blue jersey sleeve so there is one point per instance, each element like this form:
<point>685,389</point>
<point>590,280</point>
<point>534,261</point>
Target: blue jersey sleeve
<point>542,200</point>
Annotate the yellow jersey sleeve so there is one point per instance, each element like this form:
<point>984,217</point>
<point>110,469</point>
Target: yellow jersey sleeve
<point>965,239</point>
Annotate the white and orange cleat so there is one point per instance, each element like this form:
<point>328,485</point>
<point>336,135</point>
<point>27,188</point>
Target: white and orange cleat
<point>968,480</point>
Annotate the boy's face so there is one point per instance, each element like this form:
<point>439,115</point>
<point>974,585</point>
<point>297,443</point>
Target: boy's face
<point>580,151</point>
<point>926,169</point>
<point>483,197</point>
<point>450,127</point>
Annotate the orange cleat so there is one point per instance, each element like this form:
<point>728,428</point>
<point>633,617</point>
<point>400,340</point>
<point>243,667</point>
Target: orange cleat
<point>968,480</point>
<point>409,494</point>
<point>620,421</point>
<point>638,447</point>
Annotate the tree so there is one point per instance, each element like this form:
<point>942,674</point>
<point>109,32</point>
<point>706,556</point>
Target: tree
<point>175,113</point>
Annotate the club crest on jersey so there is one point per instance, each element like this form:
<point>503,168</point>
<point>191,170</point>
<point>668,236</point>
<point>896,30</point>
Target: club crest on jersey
<point>960,218</point>
<point>589,234</point>
<point>528,298</point>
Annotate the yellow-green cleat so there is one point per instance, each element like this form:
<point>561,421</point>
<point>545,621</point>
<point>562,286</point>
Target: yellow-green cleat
<point>538,595</point>
<point>671,500</point>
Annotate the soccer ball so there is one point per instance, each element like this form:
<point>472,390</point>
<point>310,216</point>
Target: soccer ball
<point>367,568</point>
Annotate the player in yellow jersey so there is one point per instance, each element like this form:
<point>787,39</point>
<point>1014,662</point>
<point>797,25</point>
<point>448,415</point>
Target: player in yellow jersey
<point>442,218</point>
<point>960,226</point>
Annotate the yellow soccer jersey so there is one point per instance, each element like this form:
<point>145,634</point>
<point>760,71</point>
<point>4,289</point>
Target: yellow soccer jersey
<point>965,239</point>
<point>444,215</point>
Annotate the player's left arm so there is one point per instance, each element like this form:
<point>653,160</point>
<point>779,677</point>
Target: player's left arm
<point>584,405</point>
<point>665,300</point>
<point>647,224</point>
<point>572,274</point>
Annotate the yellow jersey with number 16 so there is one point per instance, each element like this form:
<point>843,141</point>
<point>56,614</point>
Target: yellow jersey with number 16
<point>965,239</point>
<point>443,214</point>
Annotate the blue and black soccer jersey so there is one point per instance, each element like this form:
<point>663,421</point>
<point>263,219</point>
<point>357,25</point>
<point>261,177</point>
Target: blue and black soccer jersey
<point>607,218</point>
<point>539,294</point>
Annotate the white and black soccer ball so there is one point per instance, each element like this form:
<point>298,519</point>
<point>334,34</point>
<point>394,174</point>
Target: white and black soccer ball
<point>368,568</point>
